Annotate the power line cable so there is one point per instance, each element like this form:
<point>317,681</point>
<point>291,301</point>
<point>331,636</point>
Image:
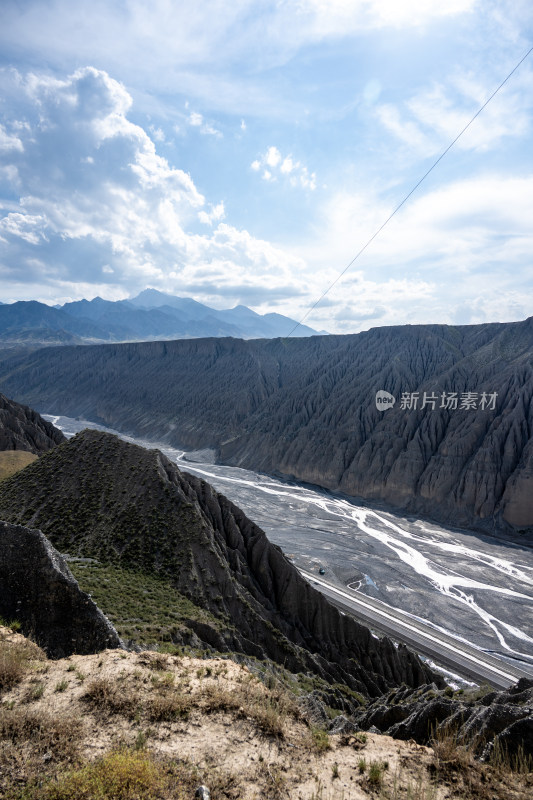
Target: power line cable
<point>407,196</point>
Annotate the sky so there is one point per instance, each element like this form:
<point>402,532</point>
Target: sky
<point>245,152</point>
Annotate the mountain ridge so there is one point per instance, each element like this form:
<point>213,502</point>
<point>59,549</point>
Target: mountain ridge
<point>305,409</point>
<point>152,315</point>
<point>22,428</point>
<point>97,496</point>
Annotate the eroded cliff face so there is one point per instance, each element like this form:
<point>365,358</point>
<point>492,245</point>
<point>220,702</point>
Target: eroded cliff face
<point>503,719</point>
<point>306,409</point>
<point>22,428</point>
<point>38,590</point>
<point>98,496</point>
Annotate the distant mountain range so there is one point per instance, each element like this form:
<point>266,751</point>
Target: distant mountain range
<point>307,409</point>
<point>152,315</point>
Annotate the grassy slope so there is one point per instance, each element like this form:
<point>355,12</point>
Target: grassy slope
<point>12,461</point>
<point>143,608</point>
<point>109,507</point>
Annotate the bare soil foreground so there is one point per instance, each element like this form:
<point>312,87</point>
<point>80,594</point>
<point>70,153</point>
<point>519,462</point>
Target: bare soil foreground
<point>140,726</point>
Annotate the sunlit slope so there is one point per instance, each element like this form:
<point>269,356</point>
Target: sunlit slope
<point>13,460</point>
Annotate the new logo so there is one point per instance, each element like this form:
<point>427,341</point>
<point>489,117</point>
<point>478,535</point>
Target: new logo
<point>384,400</point>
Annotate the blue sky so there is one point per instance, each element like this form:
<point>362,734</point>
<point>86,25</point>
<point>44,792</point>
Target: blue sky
<point>244,152</point>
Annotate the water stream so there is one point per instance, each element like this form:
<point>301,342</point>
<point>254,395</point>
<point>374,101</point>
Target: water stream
<point>476,587</point>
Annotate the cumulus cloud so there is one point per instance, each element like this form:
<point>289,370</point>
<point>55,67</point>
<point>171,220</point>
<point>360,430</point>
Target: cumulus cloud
<point>89,201</point>
<point>274,165</point>
<point>157,133</point>
<point>209,217</point>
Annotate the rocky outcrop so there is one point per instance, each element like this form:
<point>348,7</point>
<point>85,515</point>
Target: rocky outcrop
<point>21,428</point>
<point>98,496</point>
<point>504,718</point>
<point>38,590</point>
<point>306,408</point>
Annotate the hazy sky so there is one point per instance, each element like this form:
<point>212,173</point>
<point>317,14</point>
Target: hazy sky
<point>243,152</point>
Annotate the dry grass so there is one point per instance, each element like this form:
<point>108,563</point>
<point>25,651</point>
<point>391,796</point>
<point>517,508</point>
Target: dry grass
<point>12,461</point>
<point>504,777</point>
<point>44,731</point>
<point>109,696</point>
<point>16,655</point>
<point>152,725</point>
<point>164,701</point>
<point>503,761</point>
<point>162,704</point>
<point>120,775</point>
<point>268,709</point>
<point>34,744</point>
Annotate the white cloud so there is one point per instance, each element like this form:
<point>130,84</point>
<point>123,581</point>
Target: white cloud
<point>216,214</point>
<point>196,120</point>
<point>24,226</point>
<point>94,205</point>
<point>8,141</point>
<point>432,119</point>
<point>416,12</point>
<point>199,48</point>
<point>157,133</point>
<point>323,18</point>
<point>277,165</point>
<point>288,165</point>
<point>272,157</point>
<point>457,254</point>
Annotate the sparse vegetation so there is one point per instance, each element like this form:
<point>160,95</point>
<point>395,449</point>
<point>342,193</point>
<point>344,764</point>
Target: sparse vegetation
<point>108,696</point>
<point>35,692</point>
<point>15,658</point>
<point>319,739</point>
<point>13,624</point>
<point>142,607</point>
<point>498,779</point>
<point>501,760</point>
<point>140,705</point>
<point>12,461</point>
<point>268,709</point>
<point>375,773</point>
<point>123,775</point>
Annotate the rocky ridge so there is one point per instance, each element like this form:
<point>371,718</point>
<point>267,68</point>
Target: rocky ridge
<point>38,590</point>
<point>179,526</point>
<point>306,409</point>
<point>100,497</point>
<point>495,719</point>
<point>22,428</point>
